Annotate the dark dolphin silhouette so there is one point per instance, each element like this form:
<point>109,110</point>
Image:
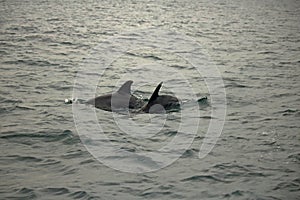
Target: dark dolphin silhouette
<point>160,103</point>
<point>120,100</point>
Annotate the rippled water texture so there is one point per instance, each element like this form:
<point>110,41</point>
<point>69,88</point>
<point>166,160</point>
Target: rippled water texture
<point>255,45</point>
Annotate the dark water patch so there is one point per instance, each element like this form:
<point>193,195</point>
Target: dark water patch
<point>155,194</point>
<point>189,153</point>
<point>24,193</point>
<point>269,142</point>
<point>153,57</point>
<point>170,133</point>
<point>285,95</point>
<point>70,171</point>
<point>25,74</point>
<point>60,85</point>
<point>238,138</point>
<point>87,162</point>
<point>41,63</point>
<point>80,195</point>
<point>5,110</point>
<point>56,191</point>
<point>266,52</point>
<point>207,117</point>
<point>67,43</point>
<point>49,162</point>
<point>203,101</point>
<point>152,139</point>
<point>110,183</point>
<point>4,53</point>
<point>295,157</point>
<point>236,85</point>
<point>286,63</point>
<point>297,114</point>
<point>54,19</point>
<point>130,190</point>
<point>25,158</point>
<point>265,119</point>
<point>243,194</point>
<point>12,101</point>
<point>129,149</point>
<point>257,174</point>
<point>288,112</point>
<point>205,178</point>
<point>72,139</point>
<point>231,166</point>
<point>46,137</point>
<point>232,172</point>
<point>74,154</point>
<point>235,193</point>
<point>179,67</point>
<point>25,108</point>
<point>293,186</point>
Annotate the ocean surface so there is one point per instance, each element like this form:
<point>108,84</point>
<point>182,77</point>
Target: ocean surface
<point>51,150</point>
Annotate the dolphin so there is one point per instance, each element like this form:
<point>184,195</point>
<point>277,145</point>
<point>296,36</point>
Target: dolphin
<point>160,103</point>
<point>119,100</point>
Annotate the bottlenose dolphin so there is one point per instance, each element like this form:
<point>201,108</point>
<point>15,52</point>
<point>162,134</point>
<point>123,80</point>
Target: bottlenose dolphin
<point>119,100</point>
<point>160,103</point>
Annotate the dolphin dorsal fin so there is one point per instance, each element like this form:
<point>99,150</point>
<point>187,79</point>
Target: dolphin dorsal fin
<point>153,97</point>
<point>155,93</point>
<point>125,88</point>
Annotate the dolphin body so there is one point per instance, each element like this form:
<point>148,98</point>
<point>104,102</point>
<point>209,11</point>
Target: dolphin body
<point>124,100</point>
<point>120,100</point>
<point>160,103</point>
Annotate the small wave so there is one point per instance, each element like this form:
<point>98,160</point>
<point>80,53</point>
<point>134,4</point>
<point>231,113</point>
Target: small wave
<point>56,191</point>
<point>60,85</point>
<point>49,162</point>
<point>203,101</point>
<point>242,194</point>
<point>236,85</point>
<point>266,52</point>
<point>170,133</point>
<point>2,52</point>
<point>289,112</point>
<point>178,66</point>
<point>111,183</point>
<point>25,158</point>
<point>87,161</point>
<point>41,63</point>
<point>189,153</point>
<point>47,137</point>
<point>155,194</point>
<point>204,178</point>
<point>72,155</point>
<point>295,157</point>
<point>13,101</point>
<point>144,56</point>
<point>292,186</point>
<point>24,108</point>
<point>26,193</point>
<point>207,117</point>
<point>79,195</point>
<point>238,137</point>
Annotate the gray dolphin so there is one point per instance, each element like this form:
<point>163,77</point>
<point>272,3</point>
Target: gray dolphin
<point>120,100</point>
<point>160,103</point>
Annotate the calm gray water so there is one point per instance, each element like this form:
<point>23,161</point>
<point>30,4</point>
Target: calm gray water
<point>254,44</point>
